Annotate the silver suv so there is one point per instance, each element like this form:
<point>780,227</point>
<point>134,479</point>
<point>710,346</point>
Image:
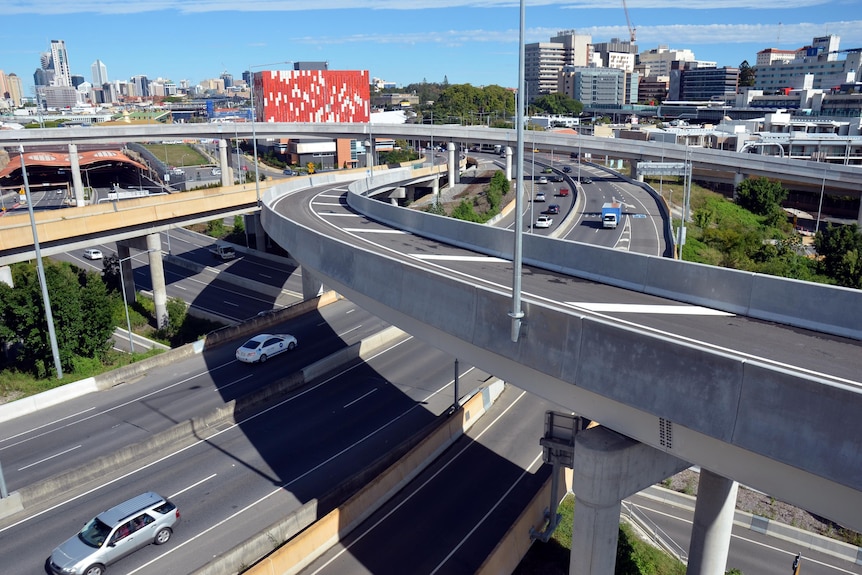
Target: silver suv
<point>113,534</point>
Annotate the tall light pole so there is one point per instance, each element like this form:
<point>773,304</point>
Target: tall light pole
<point>517,314</point>
<point>253,130</point>
<point>49,317</point>
<point>125,300</point>
<point>820,205</point>
<point>126,303</point>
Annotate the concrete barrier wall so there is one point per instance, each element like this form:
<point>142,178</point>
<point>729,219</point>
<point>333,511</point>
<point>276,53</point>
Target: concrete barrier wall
<point>27,405</point>
<point>512,548</point>
<point>112,378</point>
<point>322,534</point>
<point>812,306</point>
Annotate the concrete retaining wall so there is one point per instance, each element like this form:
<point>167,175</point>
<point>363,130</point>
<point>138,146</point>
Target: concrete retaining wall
<point>318,536</point>
<point>517,541</point>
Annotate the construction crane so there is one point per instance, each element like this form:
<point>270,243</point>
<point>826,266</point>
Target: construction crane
<point>632,30</point>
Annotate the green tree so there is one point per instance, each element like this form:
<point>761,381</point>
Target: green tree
<point>840,248</point>
<point>215,228</point>
<point>762,197</point>
<point>746,74</point>
<point>81,310</point>
<point>238,225</point>
<point>558,104</point>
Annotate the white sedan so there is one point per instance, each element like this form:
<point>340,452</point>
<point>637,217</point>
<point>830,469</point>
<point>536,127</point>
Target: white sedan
<point>263,346</point>
<point>544,222</point>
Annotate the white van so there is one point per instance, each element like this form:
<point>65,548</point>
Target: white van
<point>93,254</point>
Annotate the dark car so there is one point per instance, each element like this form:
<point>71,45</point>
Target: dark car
<point>557,178</point>
<point>553,209</point>
<point>567,169</point>
<point>587,181</point>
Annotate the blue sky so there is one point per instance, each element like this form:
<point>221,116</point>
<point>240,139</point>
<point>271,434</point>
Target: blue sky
<point>402,41</point>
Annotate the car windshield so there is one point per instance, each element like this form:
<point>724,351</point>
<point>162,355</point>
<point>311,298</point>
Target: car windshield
<point>251,344</point>
<point>94,533</point>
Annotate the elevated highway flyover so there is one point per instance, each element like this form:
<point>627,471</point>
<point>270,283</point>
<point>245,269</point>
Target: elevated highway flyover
<point>755,379</point>
<point>843,180</point>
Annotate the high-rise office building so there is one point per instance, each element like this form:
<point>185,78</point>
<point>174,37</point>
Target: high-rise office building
<point>100,73</point>
<point>60,63</point>
<point>141,86</point>
<point>11,89</point>
<point>657,61</point>
<point>543,61</point>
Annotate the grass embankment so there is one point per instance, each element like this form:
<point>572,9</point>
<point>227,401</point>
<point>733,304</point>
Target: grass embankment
<point>634,556</point>
<point>178,155</point>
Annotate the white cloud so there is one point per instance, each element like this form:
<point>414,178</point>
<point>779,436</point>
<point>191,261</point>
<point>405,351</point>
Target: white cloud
<point>682,35</point>
<point>52,7</point>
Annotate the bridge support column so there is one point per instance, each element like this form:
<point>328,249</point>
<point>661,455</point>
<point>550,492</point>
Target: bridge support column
<point>509,174</point>
<point>128,287</point>
<point>713,520</point>
<point>737,179</point>
<point>77,185</point>
<point>259,233</point>
<point>435,189</point>
<point>453,165</point>
<point>608,467</point>
<point>222,162</point>
<point>157,276</point>
<point>635,174</point>
<point>311,285</point>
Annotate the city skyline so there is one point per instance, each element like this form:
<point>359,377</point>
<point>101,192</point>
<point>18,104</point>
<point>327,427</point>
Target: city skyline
<point>465,41</point>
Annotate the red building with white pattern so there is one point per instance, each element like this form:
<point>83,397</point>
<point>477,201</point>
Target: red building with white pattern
<point>312,96</point>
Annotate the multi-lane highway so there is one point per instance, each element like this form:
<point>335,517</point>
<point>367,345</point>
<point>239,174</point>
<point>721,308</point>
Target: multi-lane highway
<point>64,436</point>
<point>248,475</point>
<point>589,186</point>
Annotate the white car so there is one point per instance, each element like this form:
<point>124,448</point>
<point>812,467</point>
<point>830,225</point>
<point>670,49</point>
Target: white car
<point>93,254</point>
<point>544,222</point>
<point>540,197</point>
<point>543,180</point>
<point>262,347</point>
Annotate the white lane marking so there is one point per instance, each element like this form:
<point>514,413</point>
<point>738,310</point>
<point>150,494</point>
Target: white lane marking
<point>360,398</point>
<point>644,308</point>
<point>261,413</point>
<point>121,405</point>
<point>339,204</point>
<point>231,303</point>
<point>192,486</point>
<point>364,231</point>
<point>264,276</point>
<point>334,215</point>
<point>479,523</point>
<point>45,425</point>
<point>456,258</point>
<point>419,488</point>
<point>48,458</point>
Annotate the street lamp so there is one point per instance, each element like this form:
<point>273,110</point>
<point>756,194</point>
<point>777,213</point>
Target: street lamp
<point>126,303</point>
<point>253,130</point>
<point>49,317</point>
<point>125,300</point>
<point>820,205</point>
